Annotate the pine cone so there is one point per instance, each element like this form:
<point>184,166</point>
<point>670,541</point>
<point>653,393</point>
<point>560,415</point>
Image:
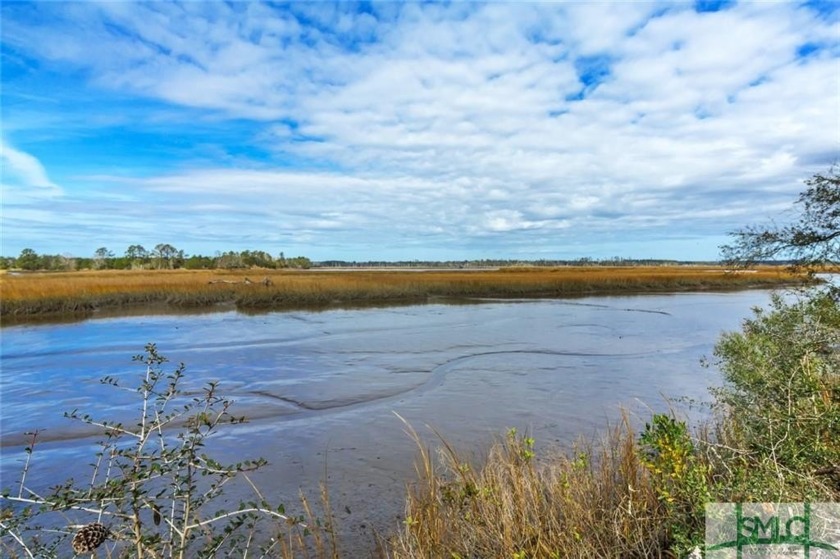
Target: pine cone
<point>89,538</point>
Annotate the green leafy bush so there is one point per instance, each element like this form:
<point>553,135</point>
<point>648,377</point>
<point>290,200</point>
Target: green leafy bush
<point>780,436</point>
<point>679,478</point>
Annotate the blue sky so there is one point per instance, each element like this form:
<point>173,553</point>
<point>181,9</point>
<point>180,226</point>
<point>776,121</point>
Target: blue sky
<point>411,130</point>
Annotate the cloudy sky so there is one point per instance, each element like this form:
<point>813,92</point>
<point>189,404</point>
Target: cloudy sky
<point>409,130</point>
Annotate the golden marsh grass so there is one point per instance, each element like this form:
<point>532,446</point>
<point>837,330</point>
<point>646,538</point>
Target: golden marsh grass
<point>33,294</point>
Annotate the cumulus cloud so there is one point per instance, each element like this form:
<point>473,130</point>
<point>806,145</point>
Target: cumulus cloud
<point>487,127</point>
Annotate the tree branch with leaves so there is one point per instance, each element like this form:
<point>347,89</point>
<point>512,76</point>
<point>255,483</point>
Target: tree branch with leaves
<point>812,240</point>
<point>153,492</point>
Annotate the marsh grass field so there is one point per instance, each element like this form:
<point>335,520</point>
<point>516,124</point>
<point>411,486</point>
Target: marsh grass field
<point>27,295</point>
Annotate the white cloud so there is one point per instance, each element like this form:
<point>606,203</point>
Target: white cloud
<point>450,123</point>
<point>24,171</point>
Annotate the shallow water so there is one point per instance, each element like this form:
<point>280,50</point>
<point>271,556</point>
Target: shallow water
<point>321,388</point>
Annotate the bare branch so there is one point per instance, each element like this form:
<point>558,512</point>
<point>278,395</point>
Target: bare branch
<point>812,240</point>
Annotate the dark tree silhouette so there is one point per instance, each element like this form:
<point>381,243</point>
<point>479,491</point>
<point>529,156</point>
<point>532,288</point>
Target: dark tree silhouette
<point>811,240</point>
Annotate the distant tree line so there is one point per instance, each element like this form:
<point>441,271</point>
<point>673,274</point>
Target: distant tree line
<point>162,257</point>
<point>496,263</point>
<point>166,256</point>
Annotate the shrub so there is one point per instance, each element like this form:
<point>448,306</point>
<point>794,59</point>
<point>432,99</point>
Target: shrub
<point>153,492</point>
<point>680,479</point>
<point>780,429</point>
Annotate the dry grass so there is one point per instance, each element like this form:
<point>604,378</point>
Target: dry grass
<point>40,293</point>
<point>593,501</point>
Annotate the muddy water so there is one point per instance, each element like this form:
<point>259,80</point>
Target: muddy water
<point>321,388</point>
